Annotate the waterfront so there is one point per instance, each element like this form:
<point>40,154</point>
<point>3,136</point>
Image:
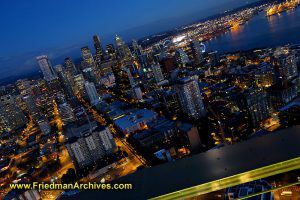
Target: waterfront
<point>260,32</point>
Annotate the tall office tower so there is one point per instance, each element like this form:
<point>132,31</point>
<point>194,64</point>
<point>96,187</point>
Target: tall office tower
<point>130,77</point>
<point>11,116</point>
<point>46,67</point>
<point>98,48</point>
<point>158,75</point>
<point>190,98</point>
<point>123,51</point>
<point>89,75</point>
<point>79,85</point>
<point>136,48</point>
<point>65,83</point>
<point>254,103</point>
<point>197,50</point>
<point>66,113</point>
<point>181,57</point>
<point>92,93</point>
<point>144,61</point>
<point>88,60</point>
<point>110,51</point>
<point>70,67</point>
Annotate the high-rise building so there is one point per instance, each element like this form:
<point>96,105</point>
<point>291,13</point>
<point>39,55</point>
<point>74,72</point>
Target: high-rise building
<point>213,59</point>
<point>88,60</point>
<point>136,48</point>
<point>46,68</point>
<point>110,51</point>
<point>70,67</point>
<point>130,77</point>
<point>181,57</point>
<point>169,101</point>
<point>190,98</point>
<point>197,51</point>
<point>285,67</point>
<point>79,84</point>
<point>280,95</point>
<point>158,75</point>
<point>123,51</point>
<point>254,103</point>
<point>92,93</point>
<point>66,113</point>
<point>89,75</point>
<point>89,145</point>
<point>98,48</point>
<point>11,116</point>
<point>65,83</point>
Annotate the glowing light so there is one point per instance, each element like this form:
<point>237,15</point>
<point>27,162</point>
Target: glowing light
<point>178,38</point>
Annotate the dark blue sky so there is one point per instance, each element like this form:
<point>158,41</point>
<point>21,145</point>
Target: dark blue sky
<point>60,27</point>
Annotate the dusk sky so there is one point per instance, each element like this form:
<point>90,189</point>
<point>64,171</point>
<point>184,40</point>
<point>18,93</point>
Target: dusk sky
<point>60,27</point>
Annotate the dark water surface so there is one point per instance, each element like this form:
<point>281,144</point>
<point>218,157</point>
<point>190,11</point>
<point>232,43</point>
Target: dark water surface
<point>261,31</point>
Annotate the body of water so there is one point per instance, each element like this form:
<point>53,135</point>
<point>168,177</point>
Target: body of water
<point>261,31</point>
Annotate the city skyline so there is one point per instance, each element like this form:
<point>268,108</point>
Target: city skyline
<point>216,101</point>
<point>31,29</point>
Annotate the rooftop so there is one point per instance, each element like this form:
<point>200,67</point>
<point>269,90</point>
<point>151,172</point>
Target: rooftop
<point>134,117</point>
<point>160,125</point>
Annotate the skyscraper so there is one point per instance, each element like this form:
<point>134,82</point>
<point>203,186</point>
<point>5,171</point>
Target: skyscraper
<point>98,48</point>
<point>181,57</point>
<point>190,98</point>
<point>197,49</point>
<point>213,58</point>
<point>136,48</point>
<point>46,67</point>
<point>64,81</point>
<point>79,84</point>
<point>158,75</point>
<point>92,93</point>
<point>110,51</point>
<point>88,60</point>
<point>130,77</point>
<point>70,67</point>
<point>66,113</point>
<point>123,51</point>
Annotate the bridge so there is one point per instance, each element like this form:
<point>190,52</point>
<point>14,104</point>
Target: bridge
<point>217,169</point>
